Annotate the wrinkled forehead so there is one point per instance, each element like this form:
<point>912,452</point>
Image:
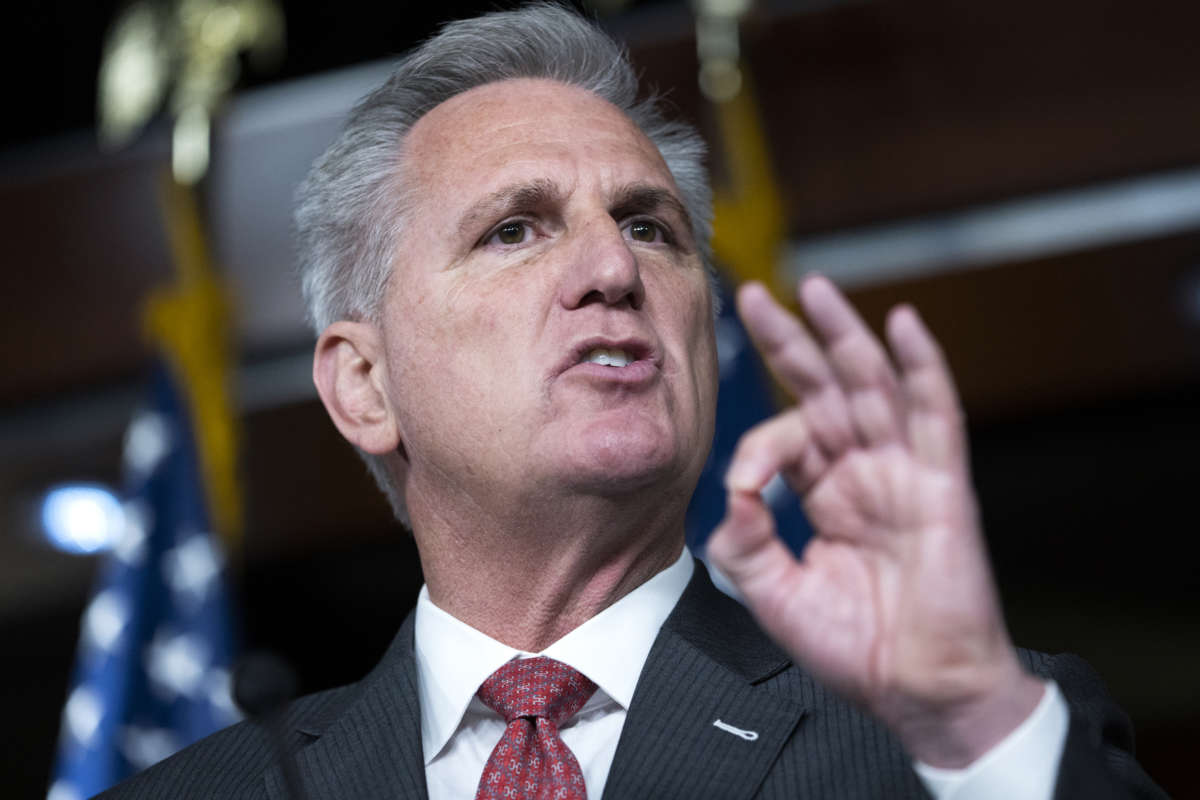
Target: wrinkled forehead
<point>500,131</point>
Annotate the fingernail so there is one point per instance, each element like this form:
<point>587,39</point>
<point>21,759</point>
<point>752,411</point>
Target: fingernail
<point>744,476</point>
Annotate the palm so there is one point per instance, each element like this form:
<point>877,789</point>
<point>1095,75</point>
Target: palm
<point>893,596</point>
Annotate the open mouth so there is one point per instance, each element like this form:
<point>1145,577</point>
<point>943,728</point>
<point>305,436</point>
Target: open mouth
<point>607,357</point>
<point>626,361</point>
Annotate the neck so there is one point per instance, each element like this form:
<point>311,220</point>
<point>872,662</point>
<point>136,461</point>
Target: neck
<point>527,572</point>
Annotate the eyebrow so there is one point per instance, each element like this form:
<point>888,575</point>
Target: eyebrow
<point>628,200</point>
<point>642,198</point>
<point>507,200</point>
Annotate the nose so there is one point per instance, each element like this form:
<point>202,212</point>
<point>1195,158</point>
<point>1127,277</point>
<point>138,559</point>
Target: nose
<point>603,270</point>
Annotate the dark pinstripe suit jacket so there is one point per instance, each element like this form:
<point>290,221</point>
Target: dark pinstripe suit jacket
<point>710,662</point>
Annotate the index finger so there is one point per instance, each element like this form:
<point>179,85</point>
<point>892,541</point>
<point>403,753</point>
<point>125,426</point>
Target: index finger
<point>799,363</point>
<point>790,351</point>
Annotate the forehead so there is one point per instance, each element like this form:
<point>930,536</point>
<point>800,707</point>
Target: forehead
<point>517,129</point>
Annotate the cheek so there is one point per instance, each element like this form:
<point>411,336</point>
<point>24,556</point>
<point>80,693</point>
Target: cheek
<point>707,367</point>
<point>463,340</point>
<point>483,328</point>
<point>702,347</point>
<point>687,322</point>
<point>455,316</point>
<point>694,305</point>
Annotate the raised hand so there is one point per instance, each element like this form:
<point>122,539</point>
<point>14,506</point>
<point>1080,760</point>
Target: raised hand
<point>893,603</point>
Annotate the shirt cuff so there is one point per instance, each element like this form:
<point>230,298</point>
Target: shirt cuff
<point>1023,764</point>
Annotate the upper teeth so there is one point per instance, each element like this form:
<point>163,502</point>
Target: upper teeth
<point>609,358</point>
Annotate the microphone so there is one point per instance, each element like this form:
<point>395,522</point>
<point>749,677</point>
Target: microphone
<point>263,683</point>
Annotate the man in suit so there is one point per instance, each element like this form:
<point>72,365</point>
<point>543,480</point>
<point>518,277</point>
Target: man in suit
<point>505,256</point>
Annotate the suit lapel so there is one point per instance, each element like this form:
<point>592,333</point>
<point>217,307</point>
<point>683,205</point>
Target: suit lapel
<point>705,666</point>
<point>369,747</point>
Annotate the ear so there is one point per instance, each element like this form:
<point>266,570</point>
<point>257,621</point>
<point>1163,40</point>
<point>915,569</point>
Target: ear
<point>350,374</point>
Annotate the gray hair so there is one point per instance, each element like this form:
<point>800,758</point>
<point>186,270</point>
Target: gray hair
<point>350,208</point>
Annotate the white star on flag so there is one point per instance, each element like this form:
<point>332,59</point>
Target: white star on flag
<point>147,441</point>
<point>131,545</point>
<point>83,713</point>
<point>145,746</point>
<point>176,663</point>
<point>219,690</point>
<point>191,567</point>
<point>61,790</point>
<point>104,619</point>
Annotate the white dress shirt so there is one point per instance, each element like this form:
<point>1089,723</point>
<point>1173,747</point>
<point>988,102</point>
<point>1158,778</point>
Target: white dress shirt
<point>458,732</point>
<point>1023,764</point>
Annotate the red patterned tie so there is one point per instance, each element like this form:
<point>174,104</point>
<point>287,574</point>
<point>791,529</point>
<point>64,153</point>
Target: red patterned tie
<point>535,696</point>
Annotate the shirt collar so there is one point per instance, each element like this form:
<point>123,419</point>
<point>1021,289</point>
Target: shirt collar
<point>453,658</point>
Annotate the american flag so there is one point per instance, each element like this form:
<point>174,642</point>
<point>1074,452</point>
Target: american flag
<point>156,644</point>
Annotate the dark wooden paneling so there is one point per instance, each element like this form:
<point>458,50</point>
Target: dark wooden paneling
<point>1042,334</point>
<point>879,110</point>
<point>305,486</point>
<point>82,249</point>
<point>874,110</point>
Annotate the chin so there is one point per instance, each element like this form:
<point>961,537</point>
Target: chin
<point>615,462</point>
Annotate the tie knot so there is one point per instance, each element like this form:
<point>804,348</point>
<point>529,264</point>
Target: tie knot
<point>536,687</point>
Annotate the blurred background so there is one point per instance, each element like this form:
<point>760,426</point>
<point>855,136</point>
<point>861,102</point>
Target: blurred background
<point>1026,173</point>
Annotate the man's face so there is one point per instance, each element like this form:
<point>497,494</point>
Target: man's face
<point>548,324</point>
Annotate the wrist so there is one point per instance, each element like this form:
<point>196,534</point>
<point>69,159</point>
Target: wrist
<point>954,735</point>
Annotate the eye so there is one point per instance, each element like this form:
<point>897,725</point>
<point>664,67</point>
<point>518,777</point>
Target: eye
<point>643,230</point>
<point>513,232</point>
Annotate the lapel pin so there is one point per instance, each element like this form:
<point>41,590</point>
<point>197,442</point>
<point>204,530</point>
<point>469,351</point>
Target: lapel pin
<point>749,736</point>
